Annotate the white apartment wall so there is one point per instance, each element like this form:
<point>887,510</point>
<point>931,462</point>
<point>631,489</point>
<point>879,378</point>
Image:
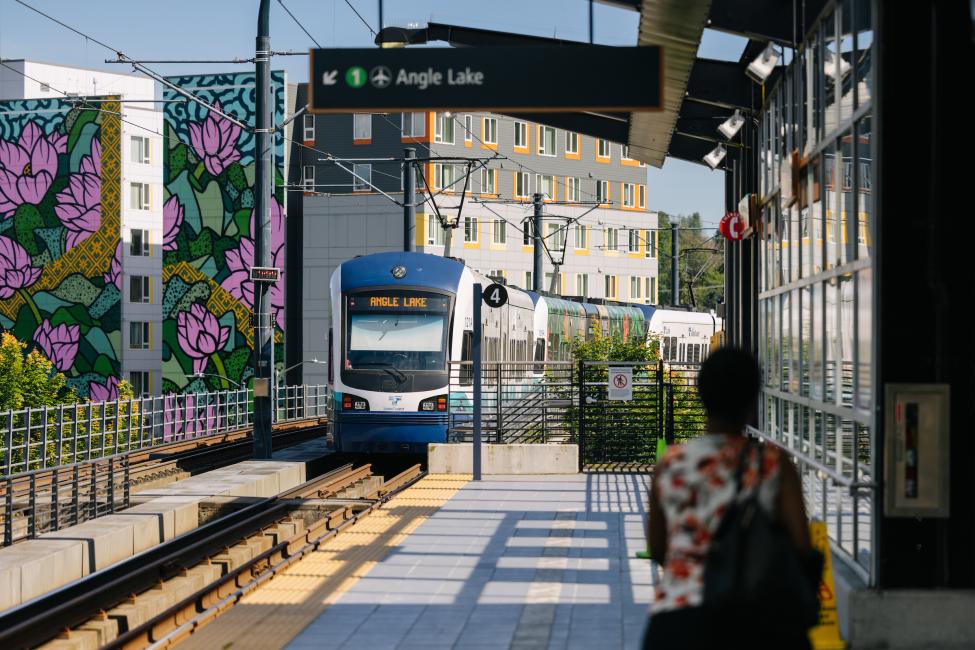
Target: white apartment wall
<point>84,82</point>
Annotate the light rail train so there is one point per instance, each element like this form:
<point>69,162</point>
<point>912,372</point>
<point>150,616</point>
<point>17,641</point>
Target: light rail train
<point>399,319</point>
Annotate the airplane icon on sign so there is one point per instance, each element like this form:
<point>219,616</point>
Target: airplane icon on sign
<point>381,76</point>
<point>330,77</point>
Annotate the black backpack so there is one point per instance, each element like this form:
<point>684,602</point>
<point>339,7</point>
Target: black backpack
<point>752,570</point>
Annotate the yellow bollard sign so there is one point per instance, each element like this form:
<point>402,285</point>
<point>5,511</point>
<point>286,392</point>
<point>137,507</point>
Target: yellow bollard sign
<point>826,635</point>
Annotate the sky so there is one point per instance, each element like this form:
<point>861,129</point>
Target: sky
<point>225,29</point>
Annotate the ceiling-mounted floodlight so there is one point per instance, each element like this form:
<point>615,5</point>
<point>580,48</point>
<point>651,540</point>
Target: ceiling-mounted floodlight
<point>731,126</point>
<point>762,66</point>
<point>836,70</point>
<point>714,158</point>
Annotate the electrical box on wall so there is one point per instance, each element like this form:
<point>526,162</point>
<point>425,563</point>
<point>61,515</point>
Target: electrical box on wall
<point>916,450</point>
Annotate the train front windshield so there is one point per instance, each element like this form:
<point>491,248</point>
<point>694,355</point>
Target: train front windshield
<point>400,330</point>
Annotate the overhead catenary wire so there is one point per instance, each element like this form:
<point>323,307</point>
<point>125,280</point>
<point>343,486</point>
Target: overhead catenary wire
<point>298,22</point>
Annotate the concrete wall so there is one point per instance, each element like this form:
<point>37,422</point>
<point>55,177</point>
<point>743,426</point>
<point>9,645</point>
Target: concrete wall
<point>504,459</point>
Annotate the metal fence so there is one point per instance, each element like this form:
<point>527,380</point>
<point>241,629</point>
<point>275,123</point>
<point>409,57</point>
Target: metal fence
<point>568,402</point>
<point>38,438</point>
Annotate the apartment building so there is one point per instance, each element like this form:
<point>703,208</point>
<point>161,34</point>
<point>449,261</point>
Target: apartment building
<point>600,236</point>
<point>135,215</point>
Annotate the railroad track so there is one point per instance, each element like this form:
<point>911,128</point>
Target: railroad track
<point>35,501</point>
<point>158,598</point>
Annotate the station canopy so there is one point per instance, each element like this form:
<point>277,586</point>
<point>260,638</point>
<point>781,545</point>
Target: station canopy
<point>698,93</point>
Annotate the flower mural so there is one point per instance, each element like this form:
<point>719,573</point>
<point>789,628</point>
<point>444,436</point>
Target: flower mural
<point>107,392</point>
<point>208,242</point>
<point>16,271</point>
<point>215,141</point>
<point>59,344</point>
<point>59,227</point>
<point>28,167</point>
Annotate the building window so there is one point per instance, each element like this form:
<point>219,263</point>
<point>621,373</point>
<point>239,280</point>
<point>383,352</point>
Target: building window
<point>635,288</point>
<point>526,232</point>
<point>602,148</point>
<point>139,244</point>
<point>362,127</point>
<point>435,232</point>
<point>628,201</point>
<point>650,236</point>
<point>556,238</point>
<point>643,196</point>
<point>139,196</point>
<point>139,380</point>
<point>546,141</point>
<point>490,128</point>
<point>139,288</point>
<point>413,125</point>
<point>602,191</point>
<point>559,286</point>
<point>308,178</point>
<point>489,181</point>
<point>634,241</point>
<point>362,181</point>
<point>573,189</point>
<point>582,284</point>
<point>582,236</point>
<point>443,129</point>
<point>443,176</point>
<point>468,128</point>
<point>138,335</point>
<point>308,132</point>
<point>545,184</point>
<point>500,236</point>
<point>521,135</point>
<point>652,291</point>
<point>522,189</point>
<point>612,239</point>
<point>528,280</point>
<point>45,88</point>
<point>139,149</point>
<point>571,142</point>
<point>611,286</point>
<point>625,152</point>
<point>470,229</point>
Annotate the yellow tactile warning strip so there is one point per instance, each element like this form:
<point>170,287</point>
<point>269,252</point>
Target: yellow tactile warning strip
<point>273,615</point>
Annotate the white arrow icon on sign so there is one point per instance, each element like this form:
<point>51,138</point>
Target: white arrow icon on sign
<point>330,77</point>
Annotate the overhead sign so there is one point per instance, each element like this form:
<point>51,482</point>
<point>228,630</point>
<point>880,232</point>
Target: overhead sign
<point>265,274</point>
<point>405,300</point>
<point>620,383</point>
<point>495,295</point>
<point>528,78</point>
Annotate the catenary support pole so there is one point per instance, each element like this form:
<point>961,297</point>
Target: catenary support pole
<point>409,199</point>
<point>263,334</point>
<point>476,370</point>
<point>537,242</point>
<point>674,265</point>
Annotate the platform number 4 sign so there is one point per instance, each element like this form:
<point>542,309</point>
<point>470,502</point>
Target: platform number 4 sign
<point>495,295</point>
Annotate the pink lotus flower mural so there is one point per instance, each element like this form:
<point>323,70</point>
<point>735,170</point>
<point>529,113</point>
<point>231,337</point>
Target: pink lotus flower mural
<point>215,141</point>
<point>172,222</point>
<point>200,335</point>
<point>16,271</point>
<point>239,261</point>
<point>79,205</point>
<point>114,273</point>
<point>59,344</point>
<point>28,167</point>
<point>107,392</point>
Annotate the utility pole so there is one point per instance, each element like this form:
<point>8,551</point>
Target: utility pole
<point>409,199</point>
<point>674,265</point>
<point>263,332</point>
<point>537,240</point>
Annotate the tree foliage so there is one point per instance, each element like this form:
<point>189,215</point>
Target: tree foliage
<point>701,271</point>
<point>29,380</point>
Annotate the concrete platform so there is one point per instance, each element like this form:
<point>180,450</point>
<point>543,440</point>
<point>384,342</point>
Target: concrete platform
<point>509,562</point>
<point>35,567</point>
<point>510,459</point>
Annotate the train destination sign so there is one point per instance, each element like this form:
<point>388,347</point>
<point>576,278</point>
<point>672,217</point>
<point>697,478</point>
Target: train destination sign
<point>527,78</point>
<point>408,301</point>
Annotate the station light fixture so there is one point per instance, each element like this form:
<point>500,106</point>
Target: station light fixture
<point>731,126</point>
<point>760,69</point>
<point>715,156</point>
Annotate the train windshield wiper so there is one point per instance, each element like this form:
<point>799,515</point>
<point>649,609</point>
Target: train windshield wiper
<point>394,372</point>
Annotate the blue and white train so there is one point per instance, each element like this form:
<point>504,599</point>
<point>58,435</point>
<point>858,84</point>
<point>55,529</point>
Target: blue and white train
<point>399,319</point>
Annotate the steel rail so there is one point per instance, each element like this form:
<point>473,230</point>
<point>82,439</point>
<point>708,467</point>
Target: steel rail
<point>32,623</point>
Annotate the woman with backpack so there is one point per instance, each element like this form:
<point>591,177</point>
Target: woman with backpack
<point>727,524</point>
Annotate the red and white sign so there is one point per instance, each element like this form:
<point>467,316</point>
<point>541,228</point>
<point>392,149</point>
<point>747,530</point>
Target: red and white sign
<point>732,226</point>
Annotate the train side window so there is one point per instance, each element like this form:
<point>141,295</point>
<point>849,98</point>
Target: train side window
<point>331,359</point>
<point>466,374</point>
<point>539,356</point>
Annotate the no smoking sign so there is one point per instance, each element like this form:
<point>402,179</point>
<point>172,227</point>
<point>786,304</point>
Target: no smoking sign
<point>620,383</point>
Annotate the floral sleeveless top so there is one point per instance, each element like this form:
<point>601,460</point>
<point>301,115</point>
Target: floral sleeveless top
<point>696,483</point>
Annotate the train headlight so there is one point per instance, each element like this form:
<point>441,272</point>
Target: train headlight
<point>433,404</point>
<point>354,403</point>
